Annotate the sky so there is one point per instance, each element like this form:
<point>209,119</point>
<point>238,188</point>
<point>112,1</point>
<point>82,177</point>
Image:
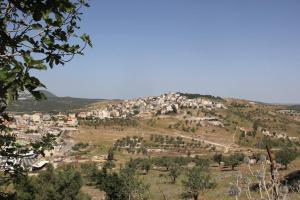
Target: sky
<point>246,49</point>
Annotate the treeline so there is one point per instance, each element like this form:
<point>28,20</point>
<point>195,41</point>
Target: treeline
<point>166,141</point>
<point>132,142</point>
<point>122,122</point>
<point>135,144</point>
<point>195,96</point>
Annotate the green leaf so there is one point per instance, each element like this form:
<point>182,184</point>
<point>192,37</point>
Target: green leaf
<point>37,26</point>
<point>86,38</point>
<point>38,95</point>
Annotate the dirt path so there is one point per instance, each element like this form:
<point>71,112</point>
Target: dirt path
<point>225,147</point>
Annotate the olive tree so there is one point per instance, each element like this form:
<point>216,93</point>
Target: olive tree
<point>175,171</point>
<point>124,185</point>
<point>234,160</point>
<point>285,156</point>
<point>198,181</point>
<point>63,184</point>
<point>218,158</point>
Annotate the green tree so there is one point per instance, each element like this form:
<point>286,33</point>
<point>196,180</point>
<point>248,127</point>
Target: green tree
<point>233,160</point>
<point>218,158</point>
<point>285,156</point>
<point>34,35</point>
<point>109,165</point>
<point>175,171</point>
<point>202,163</point>
<point>110,155</point>
<point>89,171</point>
<point>112,185</point>
<point>124,185</point>
<point>134,189</point>
<point>197,181</point>
<point>51,184</point>
<point>163,162</point>
<point>146,165</point>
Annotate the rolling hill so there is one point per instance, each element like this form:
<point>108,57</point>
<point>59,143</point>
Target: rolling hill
<point>53,103</point>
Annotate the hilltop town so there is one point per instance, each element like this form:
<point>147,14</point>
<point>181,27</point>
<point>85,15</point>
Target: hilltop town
<point>151,106</point>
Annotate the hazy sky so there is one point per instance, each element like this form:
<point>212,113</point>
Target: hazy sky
<point>246,49</point>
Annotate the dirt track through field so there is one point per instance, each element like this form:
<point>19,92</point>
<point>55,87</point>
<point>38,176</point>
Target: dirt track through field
<point>226,147</point>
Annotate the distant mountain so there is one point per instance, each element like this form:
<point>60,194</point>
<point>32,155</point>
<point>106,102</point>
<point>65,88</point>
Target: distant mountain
<point>53,103</point>
<point>48,94</point>
<point>26,95</point>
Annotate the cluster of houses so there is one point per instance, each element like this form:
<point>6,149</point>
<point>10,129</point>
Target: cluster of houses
<point>279,135</point>
<point>294,114</point>
<point>289,112</point>
<point>150,106</point>
<point>32,127</point>
<point>274,134</point>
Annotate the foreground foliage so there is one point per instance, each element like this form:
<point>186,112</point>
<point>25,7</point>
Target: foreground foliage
<point>34,35</point>
<point>124,185</point>
<point>63,184</point>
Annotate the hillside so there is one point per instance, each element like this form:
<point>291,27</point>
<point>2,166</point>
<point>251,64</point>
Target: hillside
<point>154,133</point>
<point>186,128</point>
<point>53,103</point>
<point>224,123</point>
